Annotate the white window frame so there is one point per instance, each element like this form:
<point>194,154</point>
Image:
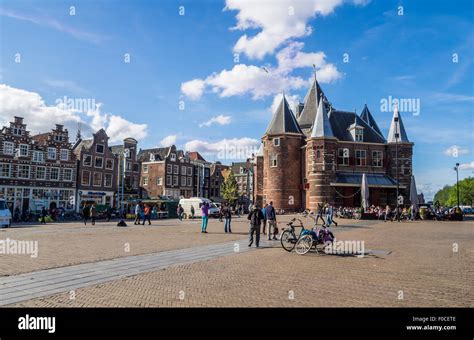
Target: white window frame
<point>276,141</point>
<point>176,169</point>
<point>44,172</point>
<point>183,170</point>
<point>27,150</point>
<point>7,146</point>
<point>103,149</point>
<point>173,157</point>
<point>84,160</point>
<point>9,170</point>
<point>88,178</point>
<point>183,181</point>
<point>190,171</point>
<point>176,181</point>
<point>361,158</point>
<point>169,169</point>
<point>50,152</point>
<point>65,171</point>
<point>93,179</point>
<point>95,162</point>
<point>190,183</point>
<point>113,163</point>
<point>359,135</point>
<point>169,180</point>
<point>51,172</point>
<point>377,160</point>
<point>159,180</point>
<point>38,156</point>
<point>345,159</point>
<point>145,181</point>
<point>105,180</point>
<point>63,152</point>
<point>18,171</point>
<point>17,131</point>
<point>274,161</point>
<point>145,168</point>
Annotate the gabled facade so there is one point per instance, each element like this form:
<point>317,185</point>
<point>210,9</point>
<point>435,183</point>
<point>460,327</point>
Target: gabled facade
<point>129,165</point>
<point>38,170</point>
<point>96,170</point>
<point>319,156</point>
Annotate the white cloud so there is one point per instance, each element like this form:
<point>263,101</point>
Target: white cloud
<point>293,101</point>
<point>467,166</point>
<point>193,89</point>
<point>169,140</point>
<point>278,22</point>
<point>455,151</point>
<point>220,119</point>
<point>260,82</point>
<point>230,149</point>
<point>41,117</point>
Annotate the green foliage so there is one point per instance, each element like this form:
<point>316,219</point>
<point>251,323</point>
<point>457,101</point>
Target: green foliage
<point>448,195</point>
<point>229,188</point>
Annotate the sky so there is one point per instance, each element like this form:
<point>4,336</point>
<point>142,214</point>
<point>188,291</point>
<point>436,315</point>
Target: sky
<point>205,75</point>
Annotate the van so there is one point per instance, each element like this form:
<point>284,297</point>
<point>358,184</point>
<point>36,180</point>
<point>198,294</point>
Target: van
<point>5,214</point>
<point>197,203</point>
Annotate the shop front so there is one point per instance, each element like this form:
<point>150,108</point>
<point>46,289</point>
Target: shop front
<point>34,199</point>
<point>97,197</point>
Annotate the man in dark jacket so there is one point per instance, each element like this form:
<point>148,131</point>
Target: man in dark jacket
<point>255,217</point>
<point>271,221</point>
<point>227,214</point>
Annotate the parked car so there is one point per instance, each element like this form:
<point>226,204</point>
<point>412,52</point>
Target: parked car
<point>5,214</point>
<point>197,203</point>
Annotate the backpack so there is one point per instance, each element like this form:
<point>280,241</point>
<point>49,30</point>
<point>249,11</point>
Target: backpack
<point>254,220</point>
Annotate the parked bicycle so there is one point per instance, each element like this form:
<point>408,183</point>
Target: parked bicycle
<point>288,237</point>
<point>317,239</point>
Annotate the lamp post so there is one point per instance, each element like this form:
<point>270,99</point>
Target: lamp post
<point>456,168</point>
<point>397,135</point>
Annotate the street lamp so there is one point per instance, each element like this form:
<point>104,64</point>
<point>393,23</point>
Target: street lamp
<point>123,155</point>
<point>397,135</point>
<point>456,168</point>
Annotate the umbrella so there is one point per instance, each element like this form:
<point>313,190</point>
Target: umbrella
<point>413,193</point>
<point>364,192</point>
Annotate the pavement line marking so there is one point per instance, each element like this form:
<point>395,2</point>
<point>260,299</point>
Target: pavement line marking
<point>27,286</point>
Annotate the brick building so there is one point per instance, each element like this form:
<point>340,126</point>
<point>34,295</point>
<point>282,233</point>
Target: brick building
<point>244,178</point>
<point>202,175</point>
<point>38,170</point>
<point>128,163</point>
<point>166,172</point>
<point>320,154</point>
<point>216,180</point>
<point>96,169</point>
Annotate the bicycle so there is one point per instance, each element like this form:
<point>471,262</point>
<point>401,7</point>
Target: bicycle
<point>288,237</point>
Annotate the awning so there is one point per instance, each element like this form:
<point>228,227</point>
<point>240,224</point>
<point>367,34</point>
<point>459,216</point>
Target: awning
<point>355,180</point>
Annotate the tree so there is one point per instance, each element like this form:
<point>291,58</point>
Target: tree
<point>448,195</point>
<point>229,187</point>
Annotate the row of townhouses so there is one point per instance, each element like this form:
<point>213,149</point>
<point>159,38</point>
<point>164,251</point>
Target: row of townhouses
<point>49,170</point>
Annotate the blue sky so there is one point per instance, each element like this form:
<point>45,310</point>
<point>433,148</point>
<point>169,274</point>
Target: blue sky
<point>176,59</point>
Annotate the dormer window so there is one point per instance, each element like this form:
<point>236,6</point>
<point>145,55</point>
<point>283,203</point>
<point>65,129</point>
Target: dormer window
<point>276,141</point>
<point>359,135</point>
<point>152,157</point>
<point>173,157</point>
<point>17,131</point>
<point>58,138</point>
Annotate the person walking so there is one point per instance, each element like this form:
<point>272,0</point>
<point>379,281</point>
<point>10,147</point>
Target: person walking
<point>44,213</point>
<point>85,213</point>
<point>192,211</point>
<point>271,221</point>
<point>264,222</point>
<point>93,213</point>
<point>221,212</point>
<point>330,216</point>
<point>227,215</point>
<point>180,212</point>
<point>138,210</point>
<point>204,217</point>
<point>255,217</point>
<point>108,213</point>
<point>319,214</point>
<point>147,216</point>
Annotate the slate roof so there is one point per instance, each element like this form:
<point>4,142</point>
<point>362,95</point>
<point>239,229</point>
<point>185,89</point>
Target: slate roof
<point>321,126</point>
<point>342,120</point>
<point>369,119</point>
<point>160,154</point>
<point>311,104</point>
<point>283,120</point>
<point>399,127</point>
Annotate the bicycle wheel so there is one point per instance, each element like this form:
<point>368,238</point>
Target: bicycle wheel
<point>288,240</point>
<point>304,244</point>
